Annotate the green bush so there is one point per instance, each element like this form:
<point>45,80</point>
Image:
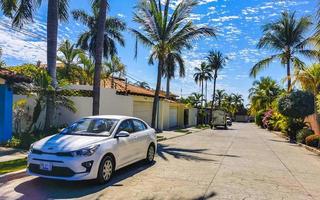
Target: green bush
<point>259,118</point>
<point>313,140</point>
<point>303,134</point>
<point>297,104</point>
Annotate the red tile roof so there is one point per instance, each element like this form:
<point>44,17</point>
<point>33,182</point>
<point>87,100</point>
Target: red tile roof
<point>12,76</point>
<point>122,87</point>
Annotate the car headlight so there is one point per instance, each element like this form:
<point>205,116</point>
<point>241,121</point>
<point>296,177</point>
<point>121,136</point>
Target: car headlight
<point>88,151</point>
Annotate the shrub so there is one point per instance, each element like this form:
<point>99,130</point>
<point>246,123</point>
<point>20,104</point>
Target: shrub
<point>279,122</point>
<point>266,119</point>
<point>303,134</point>
<point>313,140</point>
<point>297,104</point>
<point>259,117</point>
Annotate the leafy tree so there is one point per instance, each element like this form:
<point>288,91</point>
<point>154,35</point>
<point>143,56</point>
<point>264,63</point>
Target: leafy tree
<point>114,67</point>
<point>87,65</point>
<point>69,54</point>
<point>216,61</point>
<point>286,36</point>
<point>201,75</point>
<point>165,33</point>
<point>262,94</point>
<point>220,95</point>
<point>99,40</point>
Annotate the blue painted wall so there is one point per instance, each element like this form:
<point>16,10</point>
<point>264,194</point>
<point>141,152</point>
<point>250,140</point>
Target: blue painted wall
<point>5,113</point>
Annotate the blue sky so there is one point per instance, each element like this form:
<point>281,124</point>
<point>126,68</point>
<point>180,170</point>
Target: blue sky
<point>239,28</point>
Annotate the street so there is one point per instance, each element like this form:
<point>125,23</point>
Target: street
<point>244,162</point>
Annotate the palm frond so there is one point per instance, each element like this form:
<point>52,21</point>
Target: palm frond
<point>262,65</point>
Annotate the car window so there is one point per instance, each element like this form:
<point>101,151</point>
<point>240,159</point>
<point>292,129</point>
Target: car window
<point>126,126</point>
<point>139,125</point>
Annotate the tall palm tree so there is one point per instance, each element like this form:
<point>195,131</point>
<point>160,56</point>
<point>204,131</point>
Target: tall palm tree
<point>220,95</point>
<point>237,103</point>
<point>169,69</point>
<point>287,37</point>
<point>114,67</point>
<point>262,94</point>
<point>2,63</point>
<point>21,12</point>
<point>165,33</point>
<point>216,61</point>
<point>69,54</point>
<point>201,75</point>
<point>310,81</point>
<point>99,40</point>
<point>196,99</point>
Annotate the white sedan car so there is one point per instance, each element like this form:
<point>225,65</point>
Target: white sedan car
<point>93,148</point>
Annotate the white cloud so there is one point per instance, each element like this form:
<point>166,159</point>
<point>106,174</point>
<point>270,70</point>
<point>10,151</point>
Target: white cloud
<point>225,18</point>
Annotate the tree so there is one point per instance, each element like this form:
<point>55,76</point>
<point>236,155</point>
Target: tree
<point>142,84</point>
<point>262,94</point>
<point>69,54</point>
<point>2,63</point>
<point>114,67</point>
<point>201,75</point>
<point>220,95</point>
<point>87,65</point>
<point>216,61</point>
<point>100,41</point>
<point>21,12</point>
<point>286,36</point>
<point>310,81</point>
<point>165,33</point>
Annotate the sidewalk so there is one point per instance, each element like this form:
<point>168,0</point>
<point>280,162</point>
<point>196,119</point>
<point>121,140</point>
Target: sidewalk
<point>7,154</point>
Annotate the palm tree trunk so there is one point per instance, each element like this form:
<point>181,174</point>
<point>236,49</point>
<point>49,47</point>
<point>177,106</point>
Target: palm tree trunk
<point>206,93</point>
<point>168,88</point>
<point>52,34</point>
<point>288,75</point>
<point>213,96</point>
<point>202,93</point>
<point>98,57</point>
<point>156,95</point>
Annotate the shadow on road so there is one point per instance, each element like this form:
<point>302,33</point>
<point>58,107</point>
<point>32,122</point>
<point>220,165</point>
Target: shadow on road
<point>40,188</point>
<point>180,153</point>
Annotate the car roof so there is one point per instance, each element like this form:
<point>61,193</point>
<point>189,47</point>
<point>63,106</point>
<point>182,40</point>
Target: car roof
<point>120,117</point>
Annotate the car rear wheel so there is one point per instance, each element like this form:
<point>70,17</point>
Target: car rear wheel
<point>150,154</point>
<point>105,170</point>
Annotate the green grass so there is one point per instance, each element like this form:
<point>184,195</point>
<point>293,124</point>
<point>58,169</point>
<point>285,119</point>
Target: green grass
<point>203,126</point>
<point>181,131</point>
<point>13,165</point>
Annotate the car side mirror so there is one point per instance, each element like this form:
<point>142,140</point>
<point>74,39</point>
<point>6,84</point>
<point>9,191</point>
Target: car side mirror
<point>122,134</point>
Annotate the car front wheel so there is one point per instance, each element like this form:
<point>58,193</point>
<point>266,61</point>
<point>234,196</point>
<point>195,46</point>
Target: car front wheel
<point>150,154</point>
<point>105,170</point>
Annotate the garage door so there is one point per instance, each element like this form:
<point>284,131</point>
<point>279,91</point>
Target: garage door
<point>173,117</point>
<point>143,110</point>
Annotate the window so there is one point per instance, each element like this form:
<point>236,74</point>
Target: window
<point>91,126</point>
<point>126,126</point>
<point>139,125</point>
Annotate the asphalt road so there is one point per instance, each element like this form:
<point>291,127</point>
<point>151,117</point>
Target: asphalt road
<point>244,162</point>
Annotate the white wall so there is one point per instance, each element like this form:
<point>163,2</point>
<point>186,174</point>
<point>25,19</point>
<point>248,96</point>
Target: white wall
<point>110,104</point>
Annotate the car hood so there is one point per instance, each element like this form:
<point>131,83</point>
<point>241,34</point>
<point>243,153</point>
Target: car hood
<point>64,143</point>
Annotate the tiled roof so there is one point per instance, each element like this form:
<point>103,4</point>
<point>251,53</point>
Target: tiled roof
<point>12,76</point>
<point>122,87</point>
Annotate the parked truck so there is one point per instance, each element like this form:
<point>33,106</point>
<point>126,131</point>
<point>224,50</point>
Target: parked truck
<point>220,119</point>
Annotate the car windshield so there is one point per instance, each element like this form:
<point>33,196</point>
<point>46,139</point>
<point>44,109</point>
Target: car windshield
<point>91,126</point>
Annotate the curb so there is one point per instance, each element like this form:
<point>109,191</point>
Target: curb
<point>163,139</point>
<point>12,175</point>
<point>312,149</point>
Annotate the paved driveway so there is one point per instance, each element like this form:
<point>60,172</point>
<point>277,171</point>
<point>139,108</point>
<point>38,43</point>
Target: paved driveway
<point>241,163</point>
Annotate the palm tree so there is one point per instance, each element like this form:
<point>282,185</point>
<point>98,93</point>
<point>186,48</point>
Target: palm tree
<point>196,99</point>
<point>170,66</point>
<point>142,84</point>
<point>100,41</point>
<point>220,95</point>
<point>201,75</point>
<point>287,37</point>
<point>115,66</point>
<point>69,54</point>
<point>2,63</point>
<point>310,81</point>
<point>21,12</point>
<point>262,94</point>
<point>237,102</point>
<point>216,62</point>
<point>87,65</point>
<point>166,33</point>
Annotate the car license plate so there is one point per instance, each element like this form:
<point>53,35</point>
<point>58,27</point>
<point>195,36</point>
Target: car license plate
<point>46,166</point>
